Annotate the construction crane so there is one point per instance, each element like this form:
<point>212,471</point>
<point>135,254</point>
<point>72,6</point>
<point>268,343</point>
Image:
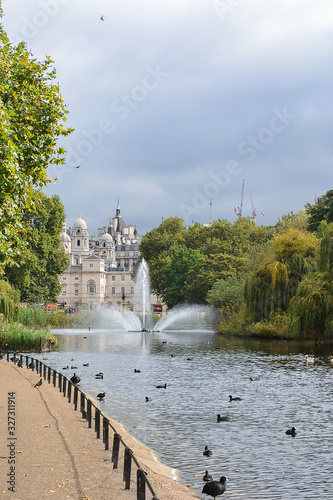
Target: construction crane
<point>240,208</point>
<point>254,213</point>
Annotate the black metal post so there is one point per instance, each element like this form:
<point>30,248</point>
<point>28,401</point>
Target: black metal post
<point>48,374</point>
<point>106,432</point>
<point>89,413</point>
<point>140,485</point>
<point>44,371</point>
<point>76,397</point>
<point>127,468</point>
<point>64,385</point>
<point>54,378</point>
<point>115,450</point>
<point>60,381</point>
<point>69,391</point>
<point>98,423</point>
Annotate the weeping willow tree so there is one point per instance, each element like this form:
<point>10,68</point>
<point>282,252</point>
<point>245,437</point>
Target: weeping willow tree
<point>9,302</point>
<point>310,311</point>
<point>270,288</point>
<point>325,253</point>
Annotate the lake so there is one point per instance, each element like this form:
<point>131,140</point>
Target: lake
<point>201,369</point>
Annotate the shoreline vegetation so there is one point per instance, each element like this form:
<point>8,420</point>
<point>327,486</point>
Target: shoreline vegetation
<point>32,330</point>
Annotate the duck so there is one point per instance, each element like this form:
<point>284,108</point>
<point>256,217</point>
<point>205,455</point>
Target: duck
<point>215,488</point>
<point>161,386</point>
<point>207,477</point>
<point>222,419</point>
<point>309,358</point>
<point>147,399</point>
<point>292,432</point>
<point>234,399</point>
<point>99,375</point>
<point>101,395</point>
<point>254,379</point>
<point>85,364</point>
<point>75,379</point>
<point>73,367</point>
<point>207,452</point>
<point>330,357</point>
<point>137,371</point>
<point>65,367</point>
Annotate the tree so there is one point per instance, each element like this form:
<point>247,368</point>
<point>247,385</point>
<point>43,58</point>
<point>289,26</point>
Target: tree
<point>176,276</point>
<point>320,211</point>
<point>292,221</point>
<point>275,282</point>
<point>37,269</point>
<point>32,114</point>
<point>9,302</point>
<point>207,271</point>
<point>158,247</point>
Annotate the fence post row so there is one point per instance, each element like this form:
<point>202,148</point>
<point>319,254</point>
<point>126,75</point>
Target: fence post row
<point>86,410</point>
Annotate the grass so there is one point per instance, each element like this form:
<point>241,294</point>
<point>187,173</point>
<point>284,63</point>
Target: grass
<point>17,337</point>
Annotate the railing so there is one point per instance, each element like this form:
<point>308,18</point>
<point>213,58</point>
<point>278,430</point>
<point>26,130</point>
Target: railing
<point>89,412</point>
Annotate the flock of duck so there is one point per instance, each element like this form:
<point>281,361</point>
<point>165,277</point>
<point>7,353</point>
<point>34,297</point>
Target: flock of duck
<point>211,487</point>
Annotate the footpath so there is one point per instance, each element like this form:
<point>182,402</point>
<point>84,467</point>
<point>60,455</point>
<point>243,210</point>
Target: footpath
<point>48,452</point>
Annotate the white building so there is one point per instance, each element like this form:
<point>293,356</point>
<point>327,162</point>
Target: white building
<point>100,270</point>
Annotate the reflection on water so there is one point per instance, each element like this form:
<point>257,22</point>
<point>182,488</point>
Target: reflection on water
<point>201,369</point>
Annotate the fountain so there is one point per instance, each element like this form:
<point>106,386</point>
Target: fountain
<point>187,317</point>
<point>181,317</point>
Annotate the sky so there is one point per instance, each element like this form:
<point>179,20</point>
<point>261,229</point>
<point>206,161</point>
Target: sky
<point>179,105</point>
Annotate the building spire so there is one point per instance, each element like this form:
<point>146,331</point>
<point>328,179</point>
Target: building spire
<point>118,208</point>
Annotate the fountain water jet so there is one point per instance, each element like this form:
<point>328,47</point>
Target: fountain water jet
<point>187,317</point>
<point>142,295</point>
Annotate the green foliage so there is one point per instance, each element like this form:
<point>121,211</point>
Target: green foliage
<point>320,211</point>
<point>158,247</point>
<point>36,272</point>
<point>14,337</point>
<point>292,221</point>
<point>207,271</point>
<point>311,310</point>
<point>9,301</point>
<point>325,254</point>
<point>176,276</point>
<point>223,249</point>
<point>32,113</point>
<point>275,282</point>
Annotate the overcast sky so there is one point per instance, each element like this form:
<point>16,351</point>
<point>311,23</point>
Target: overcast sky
<point>175,103</point>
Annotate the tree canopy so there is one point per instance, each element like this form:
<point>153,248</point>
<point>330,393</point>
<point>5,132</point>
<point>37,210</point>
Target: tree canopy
<point>32,116</point>
<point>37,268</point>
<point>320,211</point>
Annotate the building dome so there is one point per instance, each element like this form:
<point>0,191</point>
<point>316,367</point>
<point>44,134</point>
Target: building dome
<point>65,238</point>
<point>106,237</point>
<point>80,224</point>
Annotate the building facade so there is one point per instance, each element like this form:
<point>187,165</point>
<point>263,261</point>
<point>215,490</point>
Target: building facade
<point>100,269</point>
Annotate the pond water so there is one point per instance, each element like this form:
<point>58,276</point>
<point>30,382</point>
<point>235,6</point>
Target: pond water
<point>201,369</point>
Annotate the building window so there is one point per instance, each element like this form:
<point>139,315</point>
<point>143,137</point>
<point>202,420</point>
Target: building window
<point>122,290</point>
<point>91,265</point>
<point>132,290</point>
<point>113,290</point>
<point>91,287</point>
<point>63,278</point>
<point>76,290</point>
<point>75,278</point>
<point>64,290</point>
<point>113,278</point>
<point>78,231</point>
<point>78,243</point>
<point>123,278</point>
